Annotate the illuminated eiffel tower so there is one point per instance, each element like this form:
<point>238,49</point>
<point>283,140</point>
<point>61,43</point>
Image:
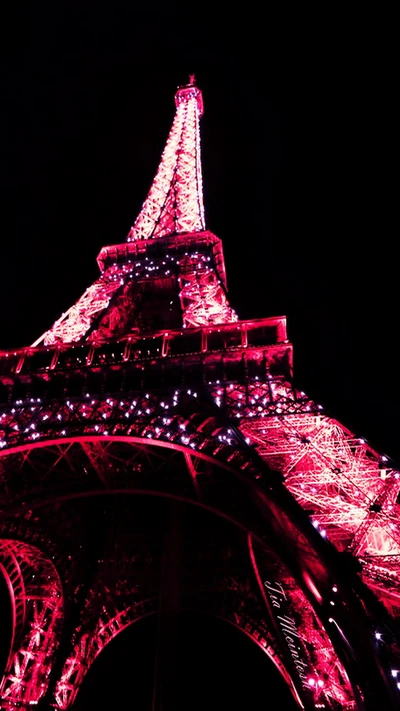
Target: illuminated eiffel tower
<point>147,398</point>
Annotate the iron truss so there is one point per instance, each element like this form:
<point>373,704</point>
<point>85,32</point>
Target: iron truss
<point>109,608</point>
<point>191,278</point>
<point>349,489</point>
<point>37,602</point>
<point>175,200</point>
<point>174,206</point>
<point>204,425</point>
<point>149,385</point>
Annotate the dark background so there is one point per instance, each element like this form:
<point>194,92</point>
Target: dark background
<point>300,168</point>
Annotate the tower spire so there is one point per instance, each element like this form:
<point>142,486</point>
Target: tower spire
<point>174,204</point>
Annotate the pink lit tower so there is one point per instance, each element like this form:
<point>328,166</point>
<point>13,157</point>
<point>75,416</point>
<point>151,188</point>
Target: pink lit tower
<point>156,457</point>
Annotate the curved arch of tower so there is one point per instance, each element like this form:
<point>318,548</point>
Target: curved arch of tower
<point>148,399</point>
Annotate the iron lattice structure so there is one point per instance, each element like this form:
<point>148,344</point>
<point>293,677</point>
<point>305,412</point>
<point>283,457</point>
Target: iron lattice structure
<point>151,390</point>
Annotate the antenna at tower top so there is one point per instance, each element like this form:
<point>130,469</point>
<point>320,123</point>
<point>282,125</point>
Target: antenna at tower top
<point>190,91</point>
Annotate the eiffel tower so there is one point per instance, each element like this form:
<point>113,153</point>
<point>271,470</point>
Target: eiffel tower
<point>156,456</point>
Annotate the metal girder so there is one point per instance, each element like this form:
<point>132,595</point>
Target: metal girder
<point>37,599</point>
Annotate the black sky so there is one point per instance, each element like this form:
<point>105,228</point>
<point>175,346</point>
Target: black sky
<point>299,163</point>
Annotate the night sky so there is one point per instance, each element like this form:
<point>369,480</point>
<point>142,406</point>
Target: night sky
<point>299,169</point>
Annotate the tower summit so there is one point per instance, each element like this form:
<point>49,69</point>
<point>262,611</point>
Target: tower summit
<point>174,204</point>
